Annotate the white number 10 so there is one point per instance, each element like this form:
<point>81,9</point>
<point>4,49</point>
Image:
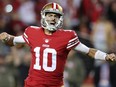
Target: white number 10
<point>37,65</point>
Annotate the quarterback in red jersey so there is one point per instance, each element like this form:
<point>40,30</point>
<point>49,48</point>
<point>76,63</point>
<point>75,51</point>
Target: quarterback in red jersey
<point>50,45</point>
<point>49,53</point>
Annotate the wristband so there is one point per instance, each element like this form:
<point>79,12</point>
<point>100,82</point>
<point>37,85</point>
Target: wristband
<point>100,55</point>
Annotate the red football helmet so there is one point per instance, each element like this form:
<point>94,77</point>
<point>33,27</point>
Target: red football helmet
<point>53,8</point>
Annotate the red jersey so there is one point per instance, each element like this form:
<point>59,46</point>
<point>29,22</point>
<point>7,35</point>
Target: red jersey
<point>49,53</point>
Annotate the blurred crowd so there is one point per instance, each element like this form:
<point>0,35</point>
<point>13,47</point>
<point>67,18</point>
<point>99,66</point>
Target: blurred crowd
<point>95,24</point>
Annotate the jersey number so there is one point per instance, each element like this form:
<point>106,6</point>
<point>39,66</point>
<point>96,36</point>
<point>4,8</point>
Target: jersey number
<point>45,66</point>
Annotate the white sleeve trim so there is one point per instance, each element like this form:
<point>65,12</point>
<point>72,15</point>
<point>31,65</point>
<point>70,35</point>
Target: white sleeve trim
<point>18,40</point>
<point>72,42</point>
<point>82,48</point>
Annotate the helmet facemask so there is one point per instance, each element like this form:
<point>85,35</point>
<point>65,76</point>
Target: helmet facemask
<point>45,24</point>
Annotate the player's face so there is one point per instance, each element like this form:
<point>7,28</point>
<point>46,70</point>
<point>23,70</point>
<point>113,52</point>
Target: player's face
<point>52,18</point>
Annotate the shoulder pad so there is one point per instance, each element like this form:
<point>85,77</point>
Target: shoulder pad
<point>34,27</point>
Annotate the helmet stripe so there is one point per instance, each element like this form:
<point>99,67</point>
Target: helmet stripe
<point>54,5</point>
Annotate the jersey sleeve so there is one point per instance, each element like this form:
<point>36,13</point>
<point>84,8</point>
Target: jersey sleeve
<point>73,41</point>
<point>26,35</point>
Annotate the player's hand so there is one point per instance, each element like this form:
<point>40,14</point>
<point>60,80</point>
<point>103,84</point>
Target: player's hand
<point>111,57</point>
<point>4,36</point>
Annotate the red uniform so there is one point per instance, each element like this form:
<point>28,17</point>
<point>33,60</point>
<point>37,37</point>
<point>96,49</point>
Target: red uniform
<point>49,54</point>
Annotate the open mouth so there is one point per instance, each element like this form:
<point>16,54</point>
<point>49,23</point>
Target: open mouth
<point>52,23</point>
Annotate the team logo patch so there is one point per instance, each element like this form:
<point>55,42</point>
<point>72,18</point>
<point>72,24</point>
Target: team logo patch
<point>46,40</point>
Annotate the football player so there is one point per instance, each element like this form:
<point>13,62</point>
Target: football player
<point>50,45</point>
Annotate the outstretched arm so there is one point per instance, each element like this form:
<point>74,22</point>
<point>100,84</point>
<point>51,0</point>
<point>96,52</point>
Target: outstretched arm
<point>94,53</point>
<point>12,40</point>
<point>97,54</point>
